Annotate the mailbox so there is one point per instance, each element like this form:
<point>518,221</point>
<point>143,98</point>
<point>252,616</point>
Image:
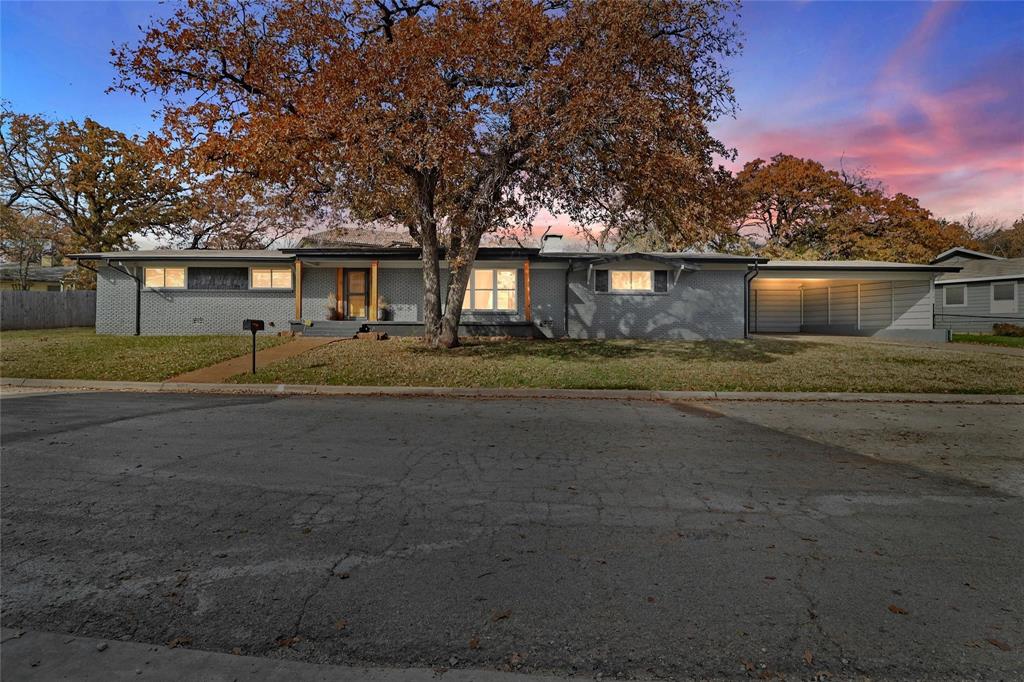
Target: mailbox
<point>253,326</point>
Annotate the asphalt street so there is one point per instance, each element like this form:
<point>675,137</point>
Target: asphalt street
<point>640,539</point>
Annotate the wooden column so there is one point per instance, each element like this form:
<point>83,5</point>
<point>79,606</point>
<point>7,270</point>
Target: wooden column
<point>527,302</point>
<point>341,293</point>
<point>373,290</point>
<point>298,290</point>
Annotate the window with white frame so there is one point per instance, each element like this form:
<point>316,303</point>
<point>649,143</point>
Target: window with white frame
<point>954,295</point>
<point>271,278</point>
<point>164,278</point>
<point>1004,297</point>
<point>491,289</point>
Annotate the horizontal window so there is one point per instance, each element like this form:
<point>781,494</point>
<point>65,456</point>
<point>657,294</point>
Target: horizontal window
<point>954,295</point>
<point>491,290</point>
<point>271,278</point>
<point>218,278</point>
<point>629,281</point>
<point>165,278</point>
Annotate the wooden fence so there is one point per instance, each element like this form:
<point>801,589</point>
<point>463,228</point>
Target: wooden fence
<point>47,309</point>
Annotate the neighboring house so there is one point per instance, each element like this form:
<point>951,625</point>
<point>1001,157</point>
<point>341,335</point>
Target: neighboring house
<point>986,291</point>
<point>40,278</point>
<point>546,292</point>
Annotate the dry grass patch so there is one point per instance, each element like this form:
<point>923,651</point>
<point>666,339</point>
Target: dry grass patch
<point>753,365</point>
<point>80,353</point>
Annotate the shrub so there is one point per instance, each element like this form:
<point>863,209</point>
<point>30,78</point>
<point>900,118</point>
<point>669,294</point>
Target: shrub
<point>1008,330</point>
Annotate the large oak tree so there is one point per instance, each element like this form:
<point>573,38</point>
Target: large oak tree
<point>798,208</point>
<point>97,187</point>
<point>454,118</point>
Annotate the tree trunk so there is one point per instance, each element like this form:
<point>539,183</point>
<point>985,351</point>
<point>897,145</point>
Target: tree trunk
<point>458,281</point>
<point>431,285</point>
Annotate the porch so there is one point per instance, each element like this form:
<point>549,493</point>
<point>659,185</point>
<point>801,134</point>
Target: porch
<point>338,297</point>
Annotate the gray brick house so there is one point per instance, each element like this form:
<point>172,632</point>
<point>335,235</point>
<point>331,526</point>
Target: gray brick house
<point>547,292</point>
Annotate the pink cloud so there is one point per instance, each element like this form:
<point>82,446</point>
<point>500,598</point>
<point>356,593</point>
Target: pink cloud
<point>959,149</point>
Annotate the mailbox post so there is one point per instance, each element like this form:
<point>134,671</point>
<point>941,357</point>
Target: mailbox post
<point>253,326</point>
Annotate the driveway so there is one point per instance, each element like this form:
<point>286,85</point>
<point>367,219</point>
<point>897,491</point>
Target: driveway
<point>638,539</point>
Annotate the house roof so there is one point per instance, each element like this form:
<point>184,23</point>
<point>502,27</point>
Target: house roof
<point>708,256</point>
<point>36,273</point>
<point>965,253</point>
<point>359,236</point>
<point>855,265</point>
<point>986,270</point>
<point>185,254</point>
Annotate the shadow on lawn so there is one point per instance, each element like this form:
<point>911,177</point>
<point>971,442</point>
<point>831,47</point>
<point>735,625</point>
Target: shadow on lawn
<point>761,350</point>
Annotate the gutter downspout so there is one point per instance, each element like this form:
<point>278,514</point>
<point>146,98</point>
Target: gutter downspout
<point>747,279</point>
<point>138,296</point>
<point>565,297</point>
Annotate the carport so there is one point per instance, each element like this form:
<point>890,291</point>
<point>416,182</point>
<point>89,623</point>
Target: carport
<point>851,298</point>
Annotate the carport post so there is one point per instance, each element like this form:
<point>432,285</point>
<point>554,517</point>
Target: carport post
<point>858,305</point>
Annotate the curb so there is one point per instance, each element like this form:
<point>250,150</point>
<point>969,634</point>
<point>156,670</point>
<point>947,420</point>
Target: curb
<point>519,393</point>
<point>35,656</point>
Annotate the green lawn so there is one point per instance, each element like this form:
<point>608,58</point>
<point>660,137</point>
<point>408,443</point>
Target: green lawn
<point>79,353</point>
<point>990,339</point>
<point>755,365</point>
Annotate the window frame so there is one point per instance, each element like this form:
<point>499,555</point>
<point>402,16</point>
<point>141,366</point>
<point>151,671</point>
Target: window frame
<point>272,268</point>
<point>164,269</point>
<point>652,291</point>
<point>1011,304</point>
<point>471,290</point>
<point>945,296</point>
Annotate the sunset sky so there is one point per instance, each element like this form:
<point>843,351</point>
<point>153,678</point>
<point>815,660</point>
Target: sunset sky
<point>929,98</point>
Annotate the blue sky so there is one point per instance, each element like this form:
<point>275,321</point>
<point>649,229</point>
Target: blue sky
<point>929,97</point>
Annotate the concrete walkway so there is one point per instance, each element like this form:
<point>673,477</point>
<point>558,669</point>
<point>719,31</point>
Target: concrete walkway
<point>31,656</point>
<point>222,371</point>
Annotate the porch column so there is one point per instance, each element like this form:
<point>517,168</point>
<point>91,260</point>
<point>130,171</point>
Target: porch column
<point>340,295</point>
<point>526,291</point>
<point>373,290</point>
<point>298,290</point>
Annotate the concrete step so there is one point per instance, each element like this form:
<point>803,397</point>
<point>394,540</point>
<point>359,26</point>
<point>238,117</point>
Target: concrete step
<point>330,328</point>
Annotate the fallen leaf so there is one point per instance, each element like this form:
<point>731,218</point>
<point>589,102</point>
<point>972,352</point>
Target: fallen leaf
<point>999,644</point>
<point>808,657</point>
<point>180,640</point>
<point>500,615</point>
<point>289,641</point>
<point>474,643</point>
<point>897,610</point>
<point>340,624</point>
<point>237,651</point>
<point>747,665</point>
<point>651,600</point>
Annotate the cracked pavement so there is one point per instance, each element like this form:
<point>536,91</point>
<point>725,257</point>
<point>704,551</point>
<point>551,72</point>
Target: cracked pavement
<point>575,537</point>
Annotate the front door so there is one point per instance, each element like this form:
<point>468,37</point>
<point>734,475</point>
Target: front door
<point>357,294</point>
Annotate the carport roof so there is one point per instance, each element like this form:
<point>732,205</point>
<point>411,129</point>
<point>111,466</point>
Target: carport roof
<point>856,265</point>
<point>186,254</point>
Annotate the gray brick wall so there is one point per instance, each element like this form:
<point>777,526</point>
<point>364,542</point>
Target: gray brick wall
<point>707,304</point>
<point>115,302</point>
<point>403,289</point>
<point>319,285</point>
<point>547,296</point>
<point>173,312</point>
<point>214,312</point>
